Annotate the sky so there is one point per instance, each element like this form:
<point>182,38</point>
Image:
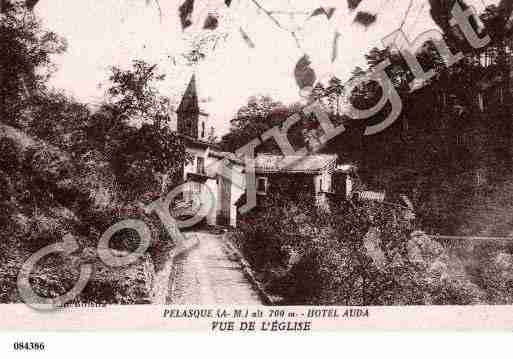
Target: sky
<point>105,33</point>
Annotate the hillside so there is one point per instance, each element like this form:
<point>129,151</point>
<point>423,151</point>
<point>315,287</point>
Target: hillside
<point>46,195</point>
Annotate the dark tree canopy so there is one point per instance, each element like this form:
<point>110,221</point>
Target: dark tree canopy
<point>25,62</point>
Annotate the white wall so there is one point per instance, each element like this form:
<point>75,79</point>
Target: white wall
<point>190,167</point>
<point>326,178</point>
<point>349,186</point>
<point>212,166</point>
<point>211,194</point>
<point>238,188</point>
<point>208,123</point>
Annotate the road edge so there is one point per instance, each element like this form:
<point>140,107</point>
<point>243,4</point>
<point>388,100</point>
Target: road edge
<point>160,286</point>
<point>248,272</point>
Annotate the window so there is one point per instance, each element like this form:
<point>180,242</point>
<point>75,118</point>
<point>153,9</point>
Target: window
<point>261,185</point>
<point>500,95</point>
<point>480,101</point>
<point>202,129</point>
<point>200,163</point>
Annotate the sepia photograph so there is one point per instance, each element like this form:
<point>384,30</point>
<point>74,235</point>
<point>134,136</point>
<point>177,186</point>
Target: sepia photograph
<point>256,165</point>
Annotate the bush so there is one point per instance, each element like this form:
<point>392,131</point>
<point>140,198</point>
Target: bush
<point>359,254</point>
<point>491,268</point>
<point>49,194</point>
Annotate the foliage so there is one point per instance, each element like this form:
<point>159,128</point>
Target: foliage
<point>145,159</point>
<point>445,142</point>
<point>58,119</point>
<point>49,194</point>
<point>67,171</point>
<point>145,154</point>
<point>25,61</point>
<point>134,93</point>
<point>365,18</point>
<point>260,114</point>
<point>359,254</point>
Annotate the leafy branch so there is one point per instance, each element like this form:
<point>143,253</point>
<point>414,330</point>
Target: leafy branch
<point>276,22</point>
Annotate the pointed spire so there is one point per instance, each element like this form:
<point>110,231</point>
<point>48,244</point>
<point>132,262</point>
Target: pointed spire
<point>189,103</point>
<point>188,111</point>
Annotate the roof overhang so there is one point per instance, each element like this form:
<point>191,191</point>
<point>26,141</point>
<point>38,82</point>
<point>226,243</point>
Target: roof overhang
<point>328,166</point>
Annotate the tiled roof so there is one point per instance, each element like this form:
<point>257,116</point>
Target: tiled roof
<point>302,164</point>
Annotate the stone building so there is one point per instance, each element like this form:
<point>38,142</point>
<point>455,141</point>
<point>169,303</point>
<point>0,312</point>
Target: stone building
<point>213,175</point>
<point>218,177</point>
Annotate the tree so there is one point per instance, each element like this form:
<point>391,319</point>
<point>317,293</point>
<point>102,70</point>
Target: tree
<point>134,93</point>
<point>499,26</point>
<point>25,62</point>
<point>260,114</point>
<point>252,120</point>
<point>147,157</point>
<point>58,119</point>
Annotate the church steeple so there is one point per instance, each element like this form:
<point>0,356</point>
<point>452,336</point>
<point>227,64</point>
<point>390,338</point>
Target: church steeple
<point>188,111</point>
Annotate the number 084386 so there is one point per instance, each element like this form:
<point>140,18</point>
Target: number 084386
<point>29,346</point>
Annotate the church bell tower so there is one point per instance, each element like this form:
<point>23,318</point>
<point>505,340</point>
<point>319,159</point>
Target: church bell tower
<point>188,111</point>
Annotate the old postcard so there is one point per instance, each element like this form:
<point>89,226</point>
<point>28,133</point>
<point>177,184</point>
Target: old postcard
<point>256,165</point>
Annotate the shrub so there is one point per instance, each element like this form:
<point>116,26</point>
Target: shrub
<point>358,254</point>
